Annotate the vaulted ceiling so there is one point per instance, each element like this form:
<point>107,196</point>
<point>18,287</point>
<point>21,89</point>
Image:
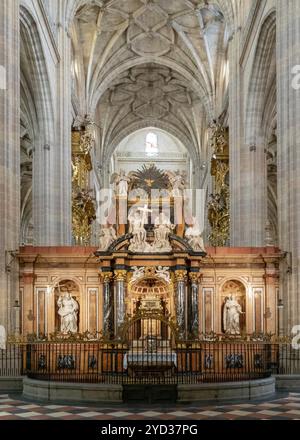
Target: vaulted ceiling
<point>139,63</point>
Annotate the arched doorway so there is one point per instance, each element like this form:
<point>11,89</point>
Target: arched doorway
<point>151,295</point>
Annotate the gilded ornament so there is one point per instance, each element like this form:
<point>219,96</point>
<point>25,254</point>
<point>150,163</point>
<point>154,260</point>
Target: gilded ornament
<point>120,275</point>
<point>180,275</point>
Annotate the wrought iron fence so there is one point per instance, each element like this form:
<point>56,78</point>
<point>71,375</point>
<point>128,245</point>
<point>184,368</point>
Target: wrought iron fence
<point>11,361</point>
<point>149,361</point>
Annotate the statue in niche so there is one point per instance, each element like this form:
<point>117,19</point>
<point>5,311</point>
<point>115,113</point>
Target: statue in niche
<point>68,312</point>
<point>231,316</point>
<point>121,182</point>
<point>107,237</point>
<point>193,234</point>
<point>137,220</point>
<point>162,229</point>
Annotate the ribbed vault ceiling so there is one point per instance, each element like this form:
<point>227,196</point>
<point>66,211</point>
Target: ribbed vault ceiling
<point>150,62</point>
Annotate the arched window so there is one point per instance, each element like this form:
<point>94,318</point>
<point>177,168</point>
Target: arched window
<point>151,148</point>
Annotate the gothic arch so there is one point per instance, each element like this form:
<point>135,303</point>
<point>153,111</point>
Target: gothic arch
<point>261,114</point>
<point>262,80</point>
<point>37,101</point>
<point>38,69</point>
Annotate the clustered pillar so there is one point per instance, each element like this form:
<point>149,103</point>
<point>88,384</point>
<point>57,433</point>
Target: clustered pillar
<point>9,159</point>
<point>288,155</point>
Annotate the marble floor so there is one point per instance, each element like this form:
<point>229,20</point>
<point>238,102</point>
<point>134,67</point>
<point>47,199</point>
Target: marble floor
<point>280,407</point>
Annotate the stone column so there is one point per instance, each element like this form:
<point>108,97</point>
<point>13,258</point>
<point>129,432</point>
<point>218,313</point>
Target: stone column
<point>9,159</point>
<point>235,139</point>
<point>61,233</point>
<point>247,162</point>
<point>193,305</point>
<point>288,151</point>
<point>108,305</point>
<point>180,302</point>
<point>120,284</point>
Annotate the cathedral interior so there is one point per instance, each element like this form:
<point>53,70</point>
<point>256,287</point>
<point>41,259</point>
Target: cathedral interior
<point>150,227</point>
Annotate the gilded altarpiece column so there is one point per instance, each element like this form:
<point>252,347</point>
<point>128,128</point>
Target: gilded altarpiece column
<point>83,209</point>
<point>108,305</point>
<point>218,205</point>
<point>193,305</point>
<point>180,302</point>
<point>120,289</point>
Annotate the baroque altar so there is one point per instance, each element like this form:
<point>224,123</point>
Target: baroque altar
<point>150,257</point>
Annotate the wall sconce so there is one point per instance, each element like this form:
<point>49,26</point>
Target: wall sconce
<point>280,303</point>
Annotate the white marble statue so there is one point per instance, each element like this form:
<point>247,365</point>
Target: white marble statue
<point>231,316</point>
<point>137,219</point>
<point>68,311</point>
<point>107,237</point>
<point>178,182</point>
<point>138,272</point>
<point>121,182</point>
<point>193,234</point>
<point>163,272</point>
<point>2,338</point>
<point>162,229</point>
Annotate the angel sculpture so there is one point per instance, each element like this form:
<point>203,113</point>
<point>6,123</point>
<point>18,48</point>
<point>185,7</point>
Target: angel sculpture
<point>193,234</point>
<point>120,182</point>
<point>138,272</point>
<point>178,182</point>
<point>163,272</point>
<point>107,237</point>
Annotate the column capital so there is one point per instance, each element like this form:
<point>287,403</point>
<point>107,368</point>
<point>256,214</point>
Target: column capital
<point>194,277</point>
<point>106,277</point>
<point>120,275</point>
<point>180,275</point>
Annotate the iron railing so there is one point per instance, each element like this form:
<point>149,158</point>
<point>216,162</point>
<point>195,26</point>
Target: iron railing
<point>170,363</point>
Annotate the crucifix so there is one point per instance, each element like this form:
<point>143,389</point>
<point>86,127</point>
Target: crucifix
<point>144,211</point>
